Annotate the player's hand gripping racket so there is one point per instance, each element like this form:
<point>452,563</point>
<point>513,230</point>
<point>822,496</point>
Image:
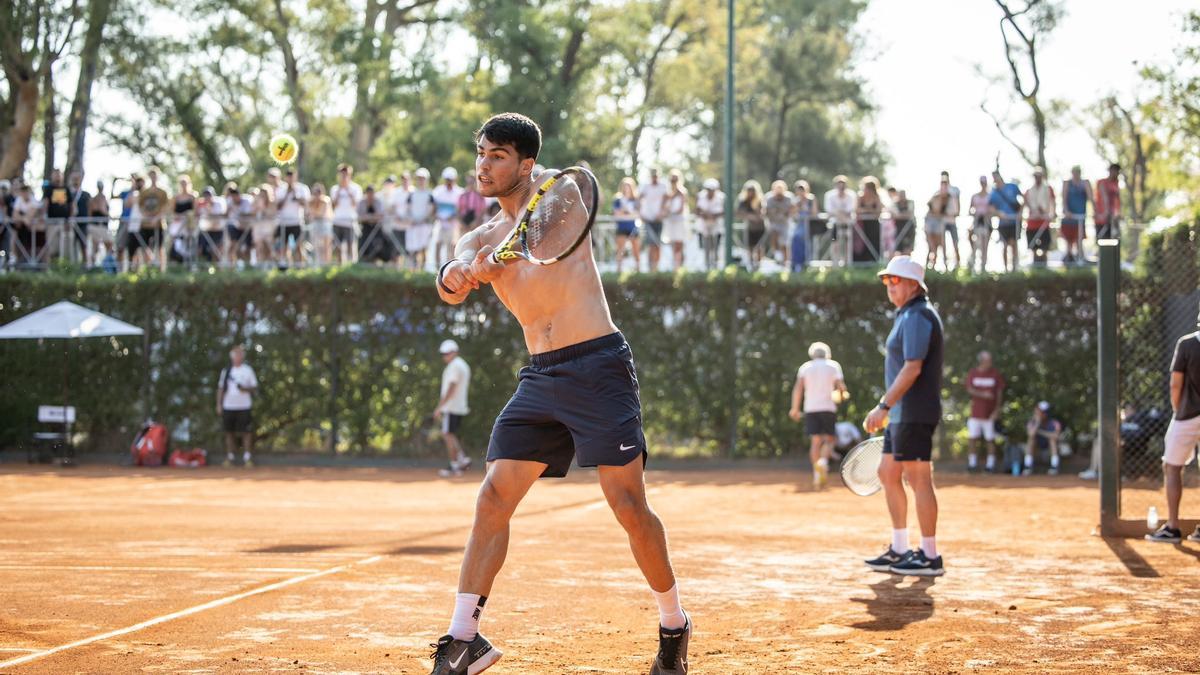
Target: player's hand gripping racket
<point>556,221</point>
<point>860,467</point>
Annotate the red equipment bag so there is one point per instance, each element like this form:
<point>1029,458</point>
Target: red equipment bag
<point>189,459</point>
<point>150,446</point>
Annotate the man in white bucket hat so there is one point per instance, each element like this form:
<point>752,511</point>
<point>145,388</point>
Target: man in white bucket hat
<point>908,414</point>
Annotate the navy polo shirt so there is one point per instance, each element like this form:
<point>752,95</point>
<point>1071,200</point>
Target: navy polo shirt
<point>916,336</point>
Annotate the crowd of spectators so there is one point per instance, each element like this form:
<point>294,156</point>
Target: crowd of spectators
<point>408,222</point>
<point>844,225</point>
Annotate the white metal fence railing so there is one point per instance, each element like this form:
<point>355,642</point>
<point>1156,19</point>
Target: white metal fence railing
<point>116,244</point>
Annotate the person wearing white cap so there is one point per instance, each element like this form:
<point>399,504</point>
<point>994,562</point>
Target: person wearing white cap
<point>445,197</point>
<point>452,407</point>
<point>1044,432</point>
<point>710,208</point>
<point>908,414</point>
<point>421,206</point>
<point>821,385</point>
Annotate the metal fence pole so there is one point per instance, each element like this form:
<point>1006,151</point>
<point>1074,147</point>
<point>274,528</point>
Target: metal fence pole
<point>1107,368</point>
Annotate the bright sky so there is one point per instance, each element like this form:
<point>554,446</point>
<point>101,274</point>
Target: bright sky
<point>920,69</point>
<point>922,75</point>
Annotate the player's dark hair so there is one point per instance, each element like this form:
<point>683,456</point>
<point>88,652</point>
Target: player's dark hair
<point>514,129</point>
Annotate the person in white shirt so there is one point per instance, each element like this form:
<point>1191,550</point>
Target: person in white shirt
<point>401,219</point>
<point>445,197</point>
<point>235,390</point>
<point>344,197</point>
<point>652,207</point>
<point>821,385</point>
<point>710,208</point>
<point>291,198</point>
<point>452,407</point>
<point>840,206</point>
<point>421,211</point>
<point>675,228</point>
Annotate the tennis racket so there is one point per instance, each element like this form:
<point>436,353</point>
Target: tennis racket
<point>556,221</point>
<point>860,467</point>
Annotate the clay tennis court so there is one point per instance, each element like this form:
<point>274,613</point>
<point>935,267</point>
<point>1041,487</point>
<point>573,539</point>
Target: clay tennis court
<point>112,570</point>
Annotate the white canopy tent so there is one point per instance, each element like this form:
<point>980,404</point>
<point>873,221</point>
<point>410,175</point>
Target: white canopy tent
<point>66,321</point>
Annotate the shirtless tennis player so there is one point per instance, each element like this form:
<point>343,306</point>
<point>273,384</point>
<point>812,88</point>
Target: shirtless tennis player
<point>577,398</point>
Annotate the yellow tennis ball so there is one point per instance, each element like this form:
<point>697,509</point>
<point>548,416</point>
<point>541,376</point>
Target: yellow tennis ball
<point>284,148</point>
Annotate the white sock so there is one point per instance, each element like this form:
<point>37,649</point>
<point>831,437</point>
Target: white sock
<point>900,540</point>
<point>823,462</point>
<point>1054,461</point>
<point>670,614</point>
<point>929,547</point>
<point>468,607</point>
<point>991,461</point>
<point>972,460</point>
<point>245,457</point>
<point>1028,461</point>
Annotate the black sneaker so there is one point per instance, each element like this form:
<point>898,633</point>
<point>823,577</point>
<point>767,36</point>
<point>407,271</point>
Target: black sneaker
<point>916,564</point>
<point>1195,536</point>
<point>1166,535</point>
<point>884,562</point>
<point>672,656</point>
<point>456,657</point>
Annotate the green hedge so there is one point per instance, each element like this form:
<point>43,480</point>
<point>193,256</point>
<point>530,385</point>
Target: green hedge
<point>710,349</point>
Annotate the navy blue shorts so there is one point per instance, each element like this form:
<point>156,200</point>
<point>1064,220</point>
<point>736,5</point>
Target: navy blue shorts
<point>577,402</point>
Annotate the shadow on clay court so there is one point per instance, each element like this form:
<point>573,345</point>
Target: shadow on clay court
<point>1195,553</point>
<point>293,548</point>
<point>895,606</point>
<point>1131,559</point>
<point>425,550</point>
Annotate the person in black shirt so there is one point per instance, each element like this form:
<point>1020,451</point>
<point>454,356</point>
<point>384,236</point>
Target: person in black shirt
<point>58,205</point>
<point>1183,433</point>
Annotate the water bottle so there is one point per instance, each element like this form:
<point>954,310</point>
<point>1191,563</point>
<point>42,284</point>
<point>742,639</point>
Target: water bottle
<point>1152,518</point>
<point>1016,468</point>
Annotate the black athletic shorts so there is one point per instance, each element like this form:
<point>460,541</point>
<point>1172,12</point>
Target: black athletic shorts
<point>237,421</point>
<point>284,232</point>
<point>820,423</point>
<point>909,442</point>
<point>1008,231</point>
<point>451,423</point>
<point>577,402</point>
<point>653,230</point>
<point>343,234</point>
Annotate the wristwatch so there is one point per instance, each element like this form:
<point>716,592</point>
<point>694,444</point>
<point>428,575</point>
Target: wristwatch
<point>883,405</point>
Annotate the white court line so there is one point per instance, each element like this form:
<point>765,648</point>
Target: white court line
<point>187,612</point>
<point>139,568</point>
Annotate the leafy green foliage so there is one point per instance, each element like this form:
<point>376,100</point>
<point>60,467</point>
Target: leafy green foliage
<point>712,350</point>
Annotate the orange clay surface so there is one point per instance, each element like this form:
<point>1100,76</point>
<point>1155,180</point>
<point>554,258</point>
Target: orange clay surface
<point>304,570</point>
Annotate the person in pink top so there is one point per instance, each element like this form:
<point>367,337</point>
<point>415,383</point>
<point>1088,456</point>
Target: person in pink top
<point>471,204</point>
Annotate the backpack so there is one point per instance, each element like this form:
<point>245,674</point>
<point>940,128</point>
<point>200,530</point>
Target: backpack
<point>150,445</point>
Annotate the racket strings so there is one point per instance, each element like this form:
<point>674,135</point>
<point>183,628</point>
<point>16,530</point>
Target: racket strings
<point>560,218</point>
<point>860,470</point>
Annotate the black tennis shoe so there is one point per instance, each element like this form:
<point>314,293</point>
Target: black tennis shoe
<point>884,562</point>
<point>672,656</point>
<point>1166,535</point>
<point>916,564</point>
<point>458,657</point>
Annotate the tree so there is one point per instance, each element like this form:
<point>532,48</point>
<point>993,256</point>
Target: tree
<point>33,36</point>
<point>81,105</point>
<point>1022,29</point>
<point>1125,134</point>
<point>1176,114</point>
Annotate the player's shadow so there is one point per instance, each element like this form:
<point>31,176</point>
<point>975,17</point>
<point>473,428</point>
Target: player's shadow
<point>895,606</point>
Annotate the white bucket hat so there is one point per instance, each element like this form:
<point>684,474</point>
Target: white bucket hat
<point>449,173</point>
<point>905,267</point>
<point>422,173</point>
<point>448,347</point>
<point>711,184</point>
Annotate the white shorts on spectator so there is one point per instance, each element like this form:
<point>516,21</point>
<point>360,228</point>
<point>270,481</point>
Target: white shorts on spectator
<point>985,429</point>
<point>1180,441</point>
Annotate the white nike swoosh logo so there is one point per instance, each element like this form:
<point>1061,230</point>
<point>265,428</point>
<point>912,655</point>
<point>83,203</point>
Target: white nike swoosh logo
<point>627,447</point>
<point>454,663</point>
